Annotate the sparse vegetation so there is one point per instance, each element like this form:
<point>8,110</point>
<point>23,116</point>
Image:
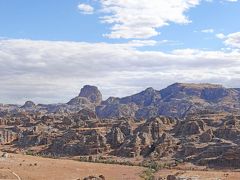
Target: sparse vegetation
<point>154,165</point>
<point>30,153</point>
<point>148,174</point>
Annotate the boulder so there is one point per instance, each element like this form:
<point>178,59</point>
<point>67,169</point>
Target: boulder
<point>5,155</point>
<point>206,136</point>
<point>171,177</point>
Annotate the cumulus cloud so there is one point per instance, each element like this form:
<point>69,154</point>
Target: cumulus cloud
<point>86,8</point>
<point>52,71</point>
<point>231,40</point>
<point>140,19</point>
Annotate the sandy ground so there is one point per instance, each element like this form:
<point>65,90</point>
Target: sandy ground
<point>201,175</point>
<point>23,167</point>
<point>7,174</point>
<point>37,168</point>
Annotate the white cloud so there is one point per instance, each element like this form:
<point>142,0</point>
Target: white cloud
<point>231,40</point>
<point>141,18</point>
<point>48,71</point>
<point>86,8</point>
<point>207,31</point>
<point>141,43</point>
<point>220,35</point>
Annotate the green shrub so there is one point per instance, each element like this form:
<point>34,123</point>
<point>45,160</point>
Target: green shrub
<point>30,153</point>
<point>148,174</point>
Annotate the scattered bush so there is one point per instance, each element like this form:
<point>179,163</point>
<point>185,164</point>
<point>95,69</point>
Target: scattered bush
<point>148,174</point>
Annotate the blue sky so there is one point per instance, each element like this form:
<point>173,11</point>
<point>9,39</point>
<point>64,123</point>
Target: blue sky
<point>62,20</point>
<point>131,44</point>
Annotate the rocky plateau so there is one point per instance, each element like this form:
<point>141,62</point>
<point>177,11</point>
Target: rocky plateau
<point>183,123</point>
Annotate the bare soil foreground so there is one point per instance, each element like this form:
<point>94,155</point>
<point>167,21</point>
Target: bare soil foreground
<point>37,168</point>
<point>23,167</point>
<point>200,175</point>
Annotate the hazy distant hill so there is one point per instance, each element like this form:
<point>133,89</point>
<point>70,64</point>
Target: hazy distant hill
<point>175,100</point>
<point>178,100</point>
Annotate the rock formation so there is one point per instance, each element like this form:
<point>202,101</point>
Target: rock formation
<point>196,123</point>
<point>91,93</point>
<point>177,100</point>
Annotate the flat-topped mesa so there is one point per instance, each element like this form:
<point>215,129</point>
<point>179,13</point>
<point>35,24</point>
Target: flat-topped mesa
<point>91,93</point>
<point>203,90</point>
<point>197,85</point>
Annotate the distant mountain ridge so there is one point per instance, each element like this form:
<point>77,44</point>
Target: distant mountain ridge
<point>176,100</point>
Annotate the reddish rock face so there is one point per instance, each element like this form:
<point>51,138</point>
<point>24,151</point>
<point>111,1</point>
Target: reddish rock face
<point>7,136</point>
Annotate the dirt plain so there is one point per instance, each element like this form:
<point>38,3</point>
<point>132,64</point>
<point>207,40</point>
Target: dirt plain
<point>37,168</point>
<point>200,175</point>
<point>24,167</point>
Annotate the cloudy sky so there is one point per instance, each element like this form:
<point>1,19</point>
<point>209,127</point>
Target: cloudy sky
<point>49,49</point>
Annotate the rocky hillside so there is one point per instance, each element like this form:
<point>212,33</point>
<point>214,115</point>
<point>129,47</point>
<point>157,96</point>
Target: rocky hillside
<point>183,123</point>
<point>176,100</point>
<point>204,139</point>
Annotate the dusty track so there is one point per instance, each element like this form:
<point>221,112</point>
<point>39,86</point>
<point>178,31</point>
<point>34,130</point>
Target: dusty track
<point>15,174</point>
<point>7,174</point>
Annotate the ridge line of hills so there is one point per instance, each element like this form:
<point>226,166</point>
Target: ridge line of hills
<point>177,100</point>
<point>181,124</point>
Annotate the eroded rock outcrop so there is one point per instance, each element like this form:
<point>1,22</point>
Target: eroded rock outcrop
<point>91,93</point>
<point>29,104</point>
<point>189,127</point>
<point>206,136</point>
